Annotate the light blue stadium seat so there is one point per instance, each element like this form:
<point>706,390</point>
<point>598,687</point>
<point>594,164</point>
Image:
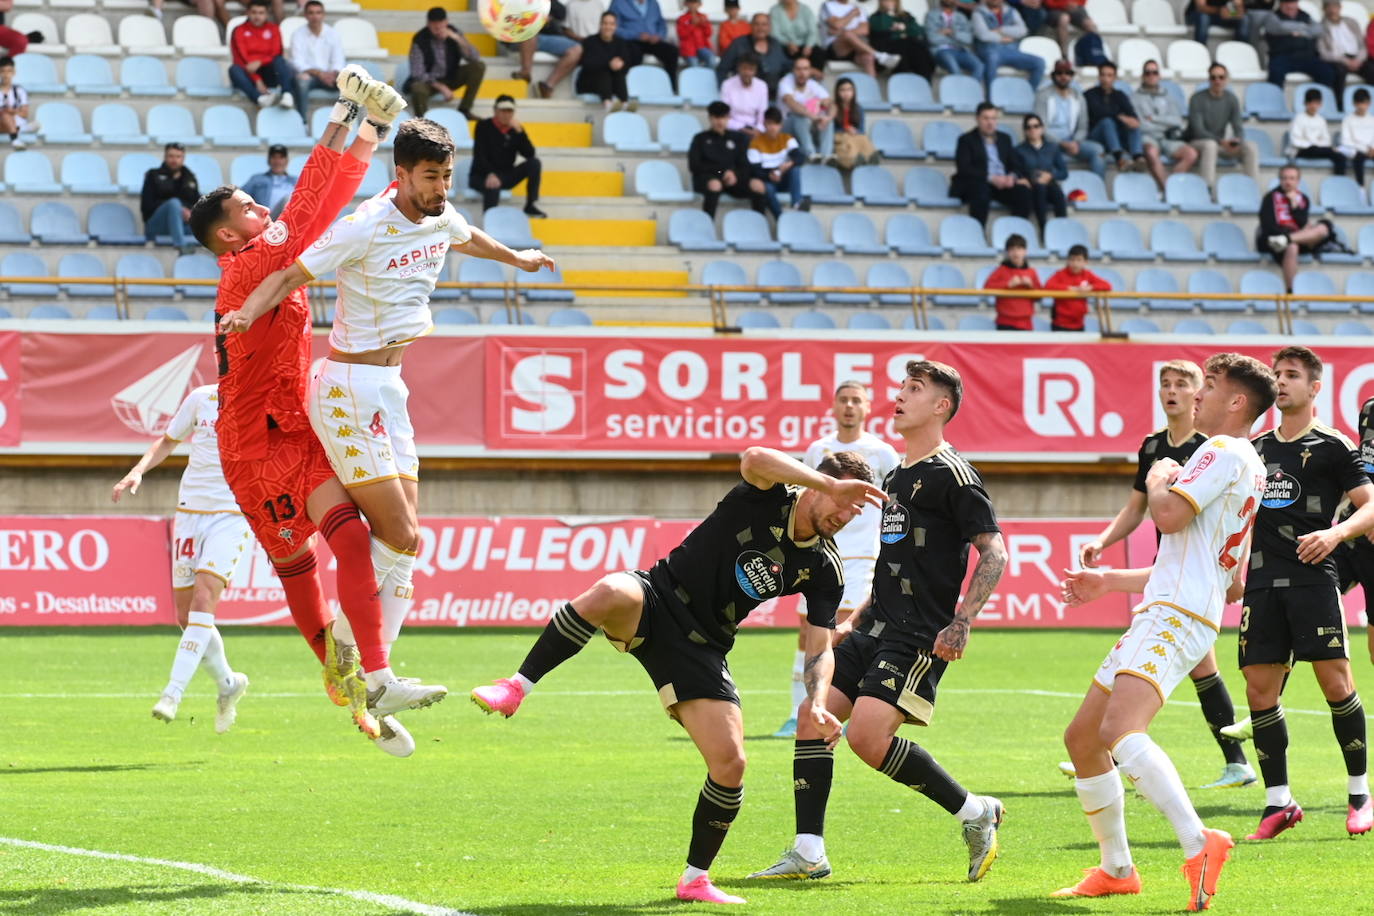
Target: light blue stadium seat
<point>37,73</point>
<point>907,234</point>
<point>823,184</point>
<point>959,93</point>
<point>1239,194</point>
<point>756,320</point>
<point>1088,182</point>
<point>453,121</point>
<point>1211,282</point>
<point>1196,326</point>
<point>112,223</point>
<point>745,230</point>
<point>87,173</point>
<point>1138,193</point>
<point>1012,94</point>
<point>53,222</point>
<point>284,126</point>
<point>1121,239</point>
<point>511,227</point>
<point>651,86</point>
<point>1366,241</point>
<point>1340,194</point>
<point>837,273</point>
<point>1269,155</point>
<point>206,168</point>
<point>783,273</point>
<point>227,125</point>
<point>854,233</point>
<point>132,167</point>
<point>510,315</point>
<point>1113,276</point>
<point>800,231</point>
<point>202,78</point>
<point>811,320</point>
<point>676,130</point>
<point>894,140</point>
<point>1265,101</point>
<point>143,267</point>
<point>946,276</point>
<point>1245,326</point>
<point>693,230</point>
<point>928,187</point>
<point>198,266</point>
<point>544,295</point>
<point>449,273</point>
<point>1159,280</point>
<point>962,236</point>
<point>1040,323</point>
<point>480,270</point>
<point>12,231</point>
<point>375,179</point>
<point>1351,329</point>
<point>116,124</point>
<point>80,265</point>
<point>933,323</point>
<point>26,264</point>
<point>911,92</point>
<point>892,275</point>
<point>977,323</point>
<point>91,75</point>
<point>569,318</point>
<point>698,86</point>
<point>1174,240</point>
<point>1317,283</point>
<point>49,311</point>
<point>1137,325</point>
<point>173,122</point>
<point>867,92</point>
<point>1227,242</point>
<point>628,132</point>
<point>1190,194</point>
<point>940,138</point>
<point>1005,226</point>
<point>1261,283</point>
<point>246,165</point>
<point>659,181</point>
<point>867,321</point>
<point>454,315</point>
<point>1304,328</point>
<point>60,122</point>
<point>728,273</point>
<point>1062,233</point>
<point>165,313</point>
<point>146,76</point>
<point>875,186</point>
<point>1328,110</point>
<point>1341,257</point>
<point>1361,284</point>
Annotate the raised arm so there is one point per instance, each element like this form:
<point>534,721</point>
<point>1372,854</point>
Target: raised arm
<point>992,562</point>
<point>766,467</point>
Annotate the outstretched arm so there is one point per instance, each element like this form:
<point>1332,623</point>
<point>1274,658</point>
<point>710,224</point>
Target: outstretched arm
<point>992,562</point>
<point>767,467</point>
<point>156,454</point>
<point>482,245</point>
<point>271,291</point>
<point>1090,584</point>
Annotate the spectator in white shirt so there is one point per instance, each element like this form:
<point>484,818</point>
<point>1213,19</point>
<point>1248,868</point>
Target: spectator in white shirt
<point>1357,133</point>
<point>809,116</point>
<point>844,35</point>
<point>316,52</point>
<point>1309,136</point>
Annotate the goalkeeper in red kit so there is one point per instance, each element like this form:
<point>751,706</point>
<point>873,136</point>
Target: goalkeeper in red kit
<point>272,461</point>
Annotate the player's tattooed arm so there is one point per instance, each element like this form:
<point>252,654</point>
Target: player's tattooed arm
<point>817,671</point>
<point>992,562</point>
<point>270,292</point>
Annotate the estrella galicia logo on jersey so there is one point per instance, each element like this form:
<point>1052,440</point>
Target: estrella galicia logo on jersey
<point>759,577</point>
<point>276,233</point>
<point>896,523</point>
<point>1367,455</point>
<point>1281,491</point>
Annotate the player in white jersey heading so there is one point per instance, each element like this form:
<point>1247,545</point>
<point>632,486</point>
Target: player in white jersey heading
<point>388,254</point>
<point>209,536</point>
<point>1204,511</point>
<point>858,541</point>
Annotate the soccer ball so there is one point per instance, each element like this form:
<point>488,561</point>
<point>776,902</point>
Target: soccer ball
<point>513,21</point>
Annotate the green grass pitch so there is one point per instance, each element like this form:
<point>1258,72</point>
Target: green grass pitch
<point>582,802</point>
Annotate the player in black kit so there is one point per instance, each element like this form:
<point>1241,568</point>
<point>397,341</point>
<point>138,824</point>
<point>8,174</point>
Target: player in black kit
<point>1355,559</point>
<point>1292,606</point>
<point>1179,382</point>
<point>894,650</point>
<point>770,536</point>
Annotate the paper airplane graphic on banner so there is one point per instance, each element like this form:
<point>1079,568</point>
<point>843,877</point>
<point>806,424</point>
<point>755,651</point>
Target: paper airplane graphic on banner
<point>147,404</point>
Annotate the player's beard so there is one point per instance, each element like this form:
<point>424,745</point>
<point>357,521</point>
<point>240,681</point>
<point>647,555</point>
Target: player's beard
<point>436,210</point>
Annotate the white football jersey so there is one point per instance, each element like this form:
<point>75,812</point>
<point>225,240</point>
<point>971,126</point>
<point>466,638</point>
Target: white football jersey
<point>386,269</point>
<point>860,537</point>
<point>1224,481</point>
<point>203,488</point>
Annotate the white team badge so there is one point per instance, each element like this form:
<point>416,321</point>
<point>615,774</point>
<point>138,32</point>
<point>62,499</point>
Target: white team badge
<point>276,233</point>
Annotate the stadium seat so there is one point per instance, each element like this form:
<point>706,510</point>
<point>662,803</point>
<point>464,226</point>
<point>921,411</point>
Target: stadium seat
<point>650,86</point>
<point>977,323</point>
<point>1138,193</point>
<point>830,274</point>
<point>1301,326</point>
<point>1138,325</point>
<point>1261,283</point>
<point>1265,101</point>
<point>1239,194</point>
<point>82,265</point>
<point>375,179</point>
<point>928,187</point>
<point>132,167</point>
<point>1121,239</point>
<point>962,236</point>
<point>144,35</point>
<point>1351,329</point>
<point>1047,49</point>
<point>907,234</point>
<point>867,321</point>
<point>206,169</point>
<point>875,186</point>
<point>1268,154</point>
<point>1203,283</point>
<point>757,321</point>
<point>454,315</point>
<point>359,37</point>
<point>1092,186</point>
<point>1159,280</point>
<point>940,138</point>
<point>1005,226</point>
<point>693,230</point>
<point>659,182</point>
<point>891,275</point>
<point>38,74</point>
<point>283,125</point>
<point>946,276</point>
<point>91,75</point>
<point>143,267</point>
<point>39,22</point>
<point>145,76</point>
<point>1242,60</point>
<point>728,273</point>
<point>60,123</point>
<point>1361,284</point>
<point>676,130</point>
<point>480,270</point>
<point>449,273</point>
<point>202,78</point>
<point>1110,16</point>
<point>227,125</point>
<point>1317,283</point>
<point>164,313</point>
<point>32,171</point>
<point>106,311</point>
<point>510,315</point>
<point>628,132</point>
<point>1329,111</point>
<point>867,92</point>
<point>745,230</point>
<point>911,92</point>
<point>87,173</point>
<point>823,184</point>
<point>698,86</point>
<point>1113,276</point>
<point>543,295</point>
<point>1013,95</point>
<point>783,273</point>
<point>894,141</point>
<point>800,231</point>
<point>12,230</point>
<point>811,320</point>
<point>1132,53</point>
<point>116,124</point>
<point>25,264</point>
<point>1187,59</point>
<point>1062,233</point>
<point>88,33</point>
<point>451,119</point>
<point>173,122</point>
<point>1190,194</point>
<point>49,311</point>
<point>199,266</point>
<point>1195,326</point>
<point>511,227</point>
<point>960,93</point>
<point>1340,194</point>
<point>1174,241</point>
<point>1245,326</point>
<point>854,233</point>
<point>569,318</point>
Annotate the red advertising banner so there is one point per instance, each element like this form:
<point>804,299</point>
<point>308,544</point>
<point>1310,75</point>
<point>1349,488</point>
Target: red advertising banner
<point>11,378</point>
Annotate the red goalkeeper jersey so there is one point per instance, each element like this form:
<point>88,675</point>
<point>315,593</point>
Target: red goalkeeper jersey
<point>263,371</point>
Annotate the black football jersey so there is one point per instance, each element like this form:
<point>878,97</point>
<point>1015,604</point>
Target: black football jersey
<point>1156,446</point>
<point>935,508</point>
<point>741,555</point>
<point>1308,477</point>
<point>1366,448</point>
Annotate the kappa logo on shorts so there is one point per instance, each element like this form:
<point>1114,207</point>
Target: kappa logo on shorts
<point>276,233</point>
<point>896,522</point>
<point>1281,491</point>
<point>759,577</point>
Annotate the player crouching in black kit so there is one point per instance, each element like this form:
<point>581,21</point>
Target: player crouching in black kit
<point>897,647</point>
<point>770,536</point>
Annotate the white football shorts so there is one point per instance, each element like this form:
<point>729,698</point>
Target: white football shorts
<point>359,414</point>
<point>207,542</point>
<point>1161,646</point>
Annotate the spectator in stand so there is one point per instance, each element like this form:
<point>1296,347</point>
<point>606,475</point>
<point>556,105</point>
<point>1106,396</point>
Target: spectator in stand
<point>1292,38</point>
<point>895,31</point>
<point>852,147</point>
<point>776,160</point>
<point>605,59</point>
<point>316,53</point>
<point>950,34</point>
<point>718,161</point>
<point>1342,43</point>
<point>1064,111</point>
<point>997,33</point>
<point>773,61</point>
<point>496,142</point>
<point>14,104</point>
<point>732,28</point>
<point>844,33</point>
<point>1284,231</point>
<point>273,187</point>
<point>1061,14</point>
<point>1014,313</point>
<point>1357,133</point>
<point>211,9</point>
<point>747,96</point>
<point>13,43</point>
<point>1045,167</point>
<point>808,114</point>
<point>255,47</point>
<point>554,38</point>
<point>640,23</point>
<point>794,26</point>
<point>1309,136</point>
<point>1215,129</point>
<point>1069,314</point>
<point>1229,14</point>
<point>1112,120</point>
<point>584,18</point>
<point>986,168</point>
<point>1161,126</point>
<point>694,36</point>
<point>442,60</point>
<point>169,193</point>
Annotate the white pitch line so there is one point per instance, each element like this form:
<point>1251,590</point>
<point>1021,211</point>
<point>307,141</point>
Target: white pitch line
<point>390,900</point>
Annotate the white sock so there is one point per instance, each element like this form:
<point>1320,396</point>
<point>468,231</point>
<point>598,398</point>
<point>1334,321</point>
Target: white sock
<point>1103,801</point>
<point>216,663</point>
<point>798,684</point>
<point>973,807</point>
<point>1156,778</point>
<point>379,677</point>
<point>811,846</point>
<point>691,873</point>
<point>397,591</point>
<point>1277,796</point>
<point>343,631</point>
<point>384,559</point>
<point>190,650</point>
<point>1358,785</point>
<point>525,683</point>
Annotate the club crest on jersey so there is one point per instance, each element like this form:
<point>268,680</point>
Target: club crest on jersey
<point>276,233</point>
<point>759,577</point>
<point>286,534</point>
<point>1203,463</point>
<point>1281,490</point>
<point>896,523</point>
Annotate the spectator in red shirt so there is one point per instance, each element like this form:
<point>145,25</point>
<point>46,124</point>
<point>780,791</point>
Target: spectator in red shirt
<point>1014,312</point>
<point>733,27</point>
<point>694,36</point>
<point>1068,314</point>
<point>259,62</point>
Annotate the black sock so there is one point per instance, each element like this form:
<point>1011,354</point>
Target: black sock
<point>908,763</point>
<point>1347,721</point>
<point>1218,711</point>
<point>1271,744</point>
<point>716,809</point>
<point>563,638</point>
<point>813,770</point>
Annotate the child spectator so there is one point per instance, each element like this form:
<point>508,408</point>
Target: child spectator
<point>1309,136</point>
<point>1357,133</point>
<point>1014,312</point>
<point>694,36</point>
<point>776,159</point>
<point>852,147</point>
<point>733,27</point>
<point>14,104</point>
<point>1068,314</point>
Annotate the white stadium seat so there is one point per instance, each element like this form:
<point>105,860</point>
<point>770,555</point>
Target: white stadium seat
<point>144,35</point>
<point>360,39</point>
<point>198,36</point>
<point>1132,53</point>
<point>1110,16</point>
<point>1189,60</point>
<point>88,33</point>
<point>1156,18</point>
